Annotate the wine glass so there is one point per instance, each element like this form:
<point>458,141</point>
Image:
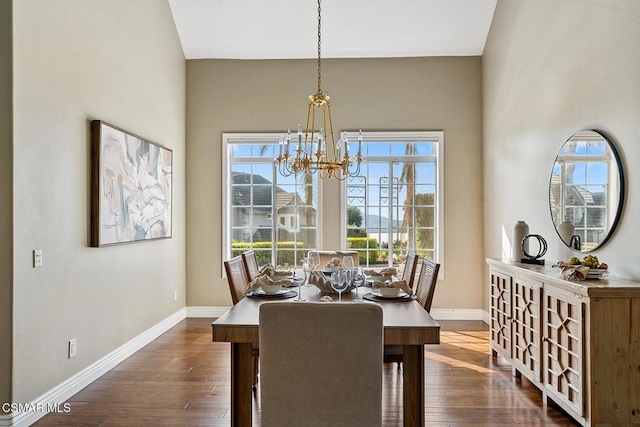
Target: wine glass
<point>358,280</point>
<point>347,262</point>
<point>307,268</point>
<point>315,257</point>
<point>339,282</point>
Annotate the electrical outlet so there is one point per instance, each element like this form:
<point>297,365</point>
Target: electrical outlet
<point>175,295</point>
<point>37,258</point>
<point>73,348</point>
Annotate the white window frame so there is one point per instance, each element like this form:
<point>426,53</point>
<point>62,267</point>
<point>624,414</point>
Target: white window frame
<point>437,138</point>
<point>252,138</point>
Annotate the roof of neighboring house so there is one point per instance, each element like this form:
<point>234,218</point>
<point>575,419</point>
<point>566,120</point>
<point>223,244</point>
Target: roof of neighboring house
<point>259,195</point>
<point>285,199</point>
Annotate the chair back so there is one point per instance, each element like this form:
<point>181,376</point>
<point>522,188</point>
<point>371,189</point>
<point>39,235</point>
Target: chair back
<point>321,364</point>
<point>427,282</point>
<point>251,264</point>
<point>237,278</point>
<point>410,268</point>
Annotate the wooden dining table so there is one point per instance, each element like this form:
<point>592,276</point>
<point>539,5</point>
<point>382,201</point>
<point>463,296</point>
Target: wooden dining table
<point>405,323</point>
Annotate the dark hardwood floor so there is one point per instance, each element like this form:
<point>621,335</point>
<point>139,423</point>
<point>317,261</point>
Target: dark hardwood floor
<point>183,379</point>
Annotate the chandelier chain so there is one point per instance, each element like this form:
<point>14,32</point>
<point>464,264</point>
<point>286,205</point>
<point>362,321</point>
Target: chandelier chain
<point>319,56</point>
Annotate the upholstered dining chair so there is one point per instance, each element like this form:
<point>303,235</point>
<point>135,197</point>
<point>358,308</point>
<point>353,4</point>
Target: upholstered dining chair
<point>251,264</point>
<point>239,285</point>
<point>410,268</point>
<point>425,289</point>
<point>321,364</point>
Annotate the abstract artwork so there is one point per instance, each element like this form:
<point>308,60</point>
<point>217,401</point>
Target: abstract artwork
<point>131,187</point>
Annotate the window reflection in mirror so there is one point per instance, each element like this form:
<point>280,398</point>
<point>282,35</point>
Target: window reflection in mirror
<point>585,190</point>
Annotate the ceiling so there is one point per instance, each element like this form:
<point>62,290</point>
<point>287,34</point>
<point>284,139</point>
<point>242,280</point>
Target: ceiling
<point>278,29</point>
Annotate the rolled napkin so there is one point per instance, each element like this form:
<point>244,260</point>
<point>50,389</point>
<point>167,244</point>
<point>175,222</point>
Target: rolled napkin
<point>265,280</point>
<point>270,270</point>
<point>257,283</point>
<point>388,272</point>
<point>397,284</point>
<point>325,298</point>
<point>572,272</point>
<point>318,279</point>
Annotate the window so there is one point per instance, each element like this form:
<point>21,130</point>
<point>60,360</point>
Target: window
<point>394,205</point>
<point>274,215</point>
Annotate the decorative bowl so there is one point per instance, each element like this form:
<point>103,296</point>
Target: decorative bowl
<point>386,291</point>
<point>271,288</point>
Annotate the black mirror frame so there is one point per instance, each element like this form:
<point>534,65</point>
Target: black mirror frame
<point>622,192</point>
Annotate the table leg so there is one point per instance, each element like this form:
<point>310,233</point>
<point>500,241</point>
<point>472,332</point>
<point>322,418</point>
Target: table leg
<point>241,382</point>
<point>413,384</point>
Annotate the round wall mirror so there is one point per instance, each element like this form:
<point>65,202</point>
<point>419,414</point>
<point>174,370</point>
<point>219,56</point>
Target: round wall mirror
<point>586,191</point>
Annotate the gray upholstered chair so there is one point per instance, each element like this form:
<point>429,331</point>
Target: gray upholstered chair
<point>425,289</point>
<point>321,364</point>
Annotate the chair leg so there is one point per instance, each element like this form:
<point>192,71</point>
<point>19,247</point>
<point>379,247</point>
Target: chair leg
<point>255,372</point>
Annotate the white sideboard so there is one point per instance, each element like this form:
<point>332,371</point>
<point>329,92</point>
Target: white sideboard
<point>579,342</point>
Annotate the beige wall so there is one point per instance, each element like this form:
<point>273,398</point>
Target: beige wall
<point>74,61</point>
<point>372,94</point>
<point>6,203</point>
<point>550,69</point>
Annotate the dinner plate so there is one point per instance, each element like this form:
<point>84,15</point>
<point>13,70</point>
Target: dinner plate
<point>295,282</point>
<point>400,298</point>
<point>596,273</point>
<point>282,293</point>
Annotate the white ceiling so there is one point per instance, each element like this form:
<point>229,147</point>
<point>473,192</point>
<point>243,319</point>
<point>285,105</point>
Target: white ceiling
<point>276,29</point>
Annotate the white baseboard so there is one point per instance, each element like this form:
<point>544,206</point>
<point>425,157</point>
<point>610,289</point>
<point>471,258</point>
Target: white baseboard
<point>66,389</point>
<point>486,318</point>
<point>206,311</point>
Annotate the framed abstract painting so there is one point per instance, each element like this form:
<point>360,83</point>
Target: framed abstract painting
<point>131,187</point>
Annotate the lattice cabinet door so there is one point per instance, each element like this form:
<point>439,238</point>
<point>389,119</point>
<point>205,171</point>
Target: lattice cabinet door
<point>526,337</point>
<point>501,314</point>
<point>563,331</point>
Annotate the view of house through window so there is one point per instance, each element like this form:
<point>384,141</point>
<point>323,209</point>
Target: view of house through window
<point>394,205</point>
<point>272,214</point>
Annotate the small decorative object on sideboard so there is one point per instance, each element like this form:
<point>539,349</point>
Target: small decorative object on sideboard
<point>542,249</point>
<point>520,230</point>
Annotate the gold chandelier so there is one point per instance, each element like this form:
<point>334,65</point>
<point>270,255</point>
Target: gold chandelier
<point>319,153</point>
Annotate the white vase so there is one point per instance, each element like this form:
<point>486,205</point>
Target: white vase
<point>566,230</point>
<point>520,230</point>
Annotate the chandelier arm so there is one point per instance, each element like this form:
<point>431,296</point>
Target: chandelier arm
<point>313,123</point>
<point>331,129</point>
<point>306,129</point>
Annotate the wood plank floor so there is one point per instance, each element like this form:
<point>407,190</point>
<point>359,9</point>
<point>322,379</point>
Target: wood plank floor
<point>183,379</point>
